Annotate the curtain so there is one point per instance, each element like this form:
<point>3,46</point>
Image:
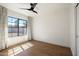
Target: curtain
<point>3,25</point>
<point>29,28</point>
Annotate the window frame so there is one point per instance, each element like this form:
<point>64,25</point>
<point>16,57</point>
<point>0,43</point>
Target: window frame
<point>18,27</point>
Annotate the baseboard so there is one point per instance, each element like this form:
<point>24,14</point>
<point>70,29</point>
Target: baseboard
<point>50,43</point>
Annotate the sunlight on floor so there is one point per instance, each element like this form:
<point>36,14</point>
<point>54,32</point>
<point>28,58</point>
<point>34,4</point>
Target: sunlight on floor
<point>26,46</point>
<point>18,49</point>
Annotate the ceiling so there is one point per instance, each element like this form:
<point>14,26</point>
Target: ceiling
<point>16,7</point>
<point>41,8</point>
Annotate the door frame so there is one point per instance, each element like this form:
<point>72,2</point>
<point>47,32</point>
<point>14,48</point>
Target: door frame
<point>76,36</point>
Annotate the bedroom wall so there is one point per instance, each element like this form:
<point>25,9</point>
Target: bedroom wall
<point>52,24</point>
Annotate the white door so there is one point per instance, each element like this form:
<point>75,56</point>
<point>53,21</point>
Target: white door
<point>77,37</point>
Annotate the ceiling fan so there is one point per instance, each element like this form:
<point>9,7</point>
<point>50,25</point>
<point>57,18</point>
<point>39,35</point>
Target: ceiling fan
<point>33,5</point>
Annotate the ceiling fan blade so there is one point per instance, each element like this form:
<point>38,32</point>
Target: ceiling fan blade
<point>35,12</point>
<point>33,4</point>
<point>32,8</point>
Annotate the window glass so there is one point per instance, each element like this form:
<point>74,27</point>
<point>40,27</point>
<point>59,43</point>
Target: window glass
<point>22,27</point>
<point>16,27</point>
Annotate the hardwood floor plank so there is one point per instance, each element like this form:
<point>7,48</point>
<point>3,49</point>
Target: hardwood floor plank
<point>36,48</point>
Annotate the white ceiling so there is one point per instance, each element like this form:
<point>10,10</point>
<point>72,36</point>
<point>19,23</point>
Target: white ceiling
<point>41,8</point>
<point>16,7</point>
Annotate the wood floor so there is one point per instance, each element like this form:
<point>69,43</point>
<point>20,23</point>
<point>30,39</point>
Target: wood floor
<point>36,48</point>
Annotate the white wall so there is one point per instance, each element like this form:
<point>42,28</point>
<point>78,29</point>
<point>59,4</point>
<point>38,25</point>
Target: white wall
<point>52,24</point>
<point>14,40</point>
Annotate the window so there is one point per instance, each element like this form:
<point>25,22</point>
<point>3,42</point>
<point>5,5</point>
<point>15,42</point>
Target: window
<point>16,27</point>
<point>22,27</point>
